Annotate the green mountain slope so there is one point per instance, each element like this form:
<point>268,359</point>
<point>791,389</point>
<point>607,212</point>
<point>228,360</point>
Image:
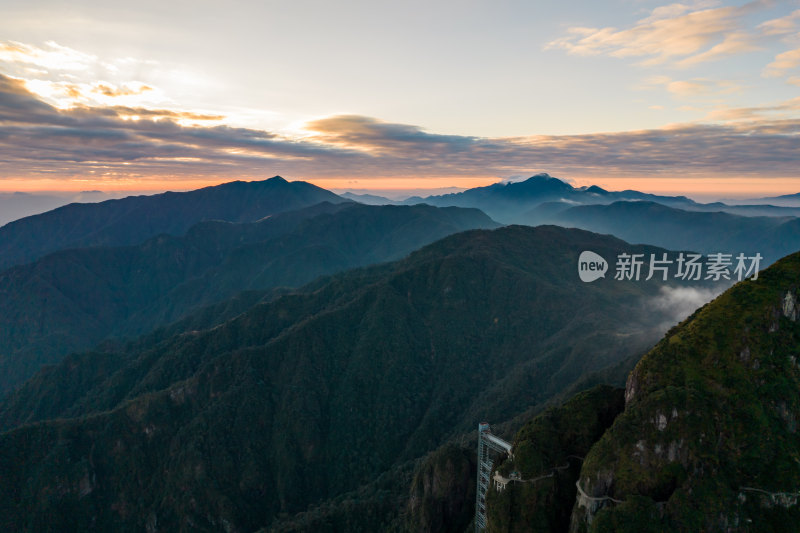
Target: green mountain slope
<point>135,219</point>
<point>73,299</point>
<point>312,396</point>
<point>708,440</point>
<point>547,458</point>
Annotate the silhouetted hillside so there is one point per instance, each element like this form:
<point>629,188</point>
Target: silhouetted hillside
<point>541,199</point>
<point>310,397</point>
<point>73,299</point>
<point>511,202</point>
<point>668,227</point>
<point>134,219</point>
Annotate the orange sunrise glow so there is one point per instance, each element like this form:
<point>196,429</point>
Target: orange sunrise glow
<point>621,108</point>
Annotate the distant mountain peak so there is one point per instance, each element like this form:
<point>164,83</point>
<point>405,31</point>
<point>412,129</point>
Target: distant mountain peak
<point>597,190</point>
<point>541,183</point>
<point>275,180</point>
<point>540,177</point>
<point>119,222</point>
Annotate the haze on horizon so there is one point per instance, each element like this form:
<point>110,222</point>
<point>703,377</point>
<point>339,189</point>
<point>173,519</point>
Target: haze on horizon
<point>697,98</point>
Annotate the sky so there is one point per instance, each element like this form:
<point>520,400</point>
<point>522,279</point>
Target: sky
<point>698,98</point>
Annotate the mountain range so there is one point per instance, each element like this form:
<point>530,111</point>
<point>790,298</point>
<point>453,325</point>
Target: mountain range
<point>134,219</point>
<point>268,356</point>
<point>537,198</point>
<point>73,299</point>
<point>787,200</point>
<point>509,202</point>
<point>668,227</point>
<point>308,397</point>
<point>673,222</point>
<point>703,437</point>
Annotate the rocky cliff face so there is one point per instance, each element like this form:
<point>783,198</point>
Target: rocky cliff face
<point>708,440</point>
<point>546,463</point>
<point>443,491</point>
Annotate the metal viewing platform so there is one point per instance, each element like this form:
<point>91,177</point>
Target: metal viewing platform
<point>487,443</point>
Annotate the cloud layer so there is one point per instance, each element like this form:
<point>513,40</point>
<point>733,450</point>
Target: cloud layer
<point>682,35</point>
<point>674,33</point>
<point>677,303</point>
<point>129,143</point>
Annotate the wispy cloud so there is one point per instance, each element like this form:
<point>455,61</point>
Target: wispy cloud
<point>118,142</point>
<point>692,87</point>
<point>677,34</point>
<point>732,44</point>
<point>51,57</point>
<point>60,75</point>
<point>783,112</point>
<point>781,26</point>
<point>784,63</point>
